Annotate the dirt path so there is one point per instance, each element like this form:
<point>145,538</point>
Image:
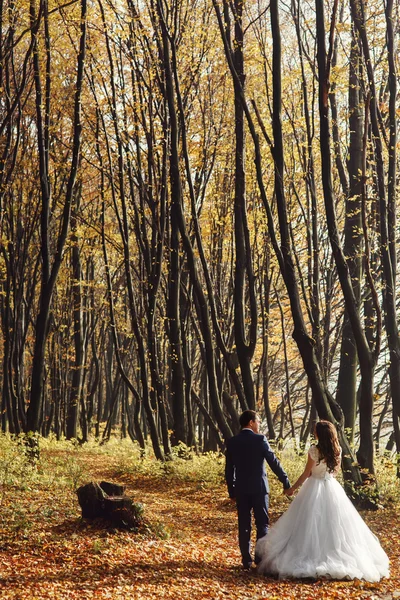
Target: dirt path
<point>53,554</point>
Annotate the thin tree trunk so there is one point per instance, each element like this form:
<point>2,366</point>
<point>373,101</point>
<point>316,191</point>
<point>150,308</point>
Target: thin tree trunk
<point>50,273</point>
<point>347,380</point>
<point>326,406</point>
<point>79,358</point>
<point>199,296</point>
<point>366,358</point>
<point>243,263</point>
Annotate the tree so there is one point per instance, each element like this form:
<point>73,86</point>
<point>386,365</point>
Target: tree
<point>50,270</point>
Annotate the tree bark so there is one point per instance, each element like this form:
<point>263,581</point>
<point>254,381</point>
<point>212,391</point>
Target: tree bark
<point>243,262</point>
<point>50,272</point>
<point>324,402</point>
<point>346,394</point>
<point>79,359</point>
<point>200,299</point>
<point>366,358</point>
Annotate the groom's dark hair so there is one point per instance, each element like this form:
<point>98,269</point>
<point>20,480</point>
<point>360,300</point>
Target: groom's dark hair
<point>246,417</point>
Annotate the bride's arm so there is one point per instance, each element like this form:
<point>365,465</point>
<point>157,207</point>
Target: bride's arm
<point>305,475</point>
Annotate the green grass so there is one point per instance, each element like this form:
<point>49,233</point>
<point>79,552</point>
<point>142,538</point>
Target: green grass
<point>64,464</point>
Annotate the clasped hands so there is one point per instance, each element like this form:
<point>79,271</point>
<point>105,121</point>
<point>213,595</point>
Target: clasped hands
<point>289,491</point>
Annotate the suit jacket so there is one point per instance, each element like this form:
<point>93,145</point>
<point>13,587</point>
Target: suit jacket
<point>245,472</point>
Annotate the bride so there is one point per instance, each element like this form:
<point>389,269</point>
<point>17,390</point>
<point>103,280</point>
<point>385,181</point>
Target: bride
<point>321,534</point>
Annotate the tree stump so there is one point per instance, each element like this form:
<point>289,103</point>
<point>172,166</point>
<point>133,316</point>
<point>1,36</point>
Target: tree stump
<point>106,500</point>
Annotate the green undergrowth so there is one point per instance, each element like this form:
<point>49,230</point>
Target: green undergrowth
<point>66,464</point>
<point>183,465</point>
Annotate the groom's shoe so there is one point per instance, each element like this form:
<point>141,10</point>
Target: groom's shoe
<point>250,567</point>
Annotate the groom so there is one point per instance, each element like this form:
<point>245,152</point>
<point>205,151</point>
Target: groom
<point>247,480</point>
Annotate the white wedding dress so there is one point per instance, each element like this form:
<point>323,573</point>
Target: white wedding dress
<point>322,535</point>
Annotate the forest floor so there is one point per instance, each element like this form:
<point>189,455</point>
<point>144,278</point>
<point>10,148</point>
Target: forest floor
<point>190,552</point>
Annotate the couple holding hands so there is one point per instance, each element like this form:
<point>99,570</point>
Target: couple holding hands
<point>321,534</point>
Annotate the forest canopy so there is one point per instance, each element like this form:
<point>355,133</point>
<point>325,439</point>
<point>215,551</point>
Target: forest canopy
<point>198,216</point>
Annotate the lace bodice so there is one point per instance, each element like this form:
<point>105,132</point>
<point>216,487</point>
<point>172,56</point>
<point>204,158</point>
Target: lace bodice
<point>319,470</point>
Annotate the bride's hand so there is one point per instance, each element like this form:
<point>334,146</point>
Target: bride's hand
<point>289,492</point>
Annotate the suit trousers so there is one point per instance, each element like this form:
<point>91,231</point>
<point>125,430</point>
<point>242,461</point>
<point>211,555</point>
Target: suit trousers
<point>246,503</point>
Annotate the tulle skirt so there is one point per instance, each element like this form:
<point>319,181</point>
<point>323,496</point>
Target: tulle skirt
<point>322,535</point>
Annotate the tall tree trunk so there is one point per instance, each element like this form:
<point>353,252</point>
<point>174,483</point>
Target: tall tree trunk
<point>122,218</point>
<point>177,386</point>
<point>309,169</point>
<point>386,212</point>
<point>347,379</point>
<point>79,358</point>
<point>324,402</point>
<point>366,358</point>
<point>243,261</point>
<point>265,309</point>
<point>287,375</point>
<point>199,296</point>
<point>394,343</point>
<point>153,252</point>
<point>50,272</point>
<point>146,398</point>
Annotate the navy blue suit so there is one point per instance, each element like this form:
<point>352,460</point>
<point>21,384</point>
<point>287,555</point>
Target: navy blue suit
<point>247,481</point>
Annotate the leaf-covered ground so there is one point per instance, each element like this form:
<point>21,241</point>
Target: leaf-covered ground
<point>47,551</point>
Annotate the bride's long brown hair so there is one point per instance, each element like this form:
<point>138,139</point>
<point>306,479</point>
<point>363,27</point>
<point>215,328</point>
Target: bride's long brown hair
<point>328,444</point>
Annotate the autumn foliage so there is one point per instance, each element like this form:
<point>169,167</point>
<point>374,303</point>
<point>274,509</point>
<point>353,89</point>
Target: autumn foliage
<point>187,548</point>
